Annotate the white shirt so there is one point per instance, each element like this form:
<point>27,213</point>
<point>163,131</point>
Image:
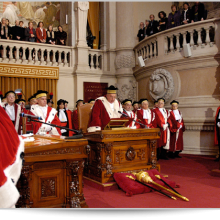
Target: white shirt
<point>185,14</point>
<point>129,113</point>
<point>145,114</point>
<point>44,110</point>
<point>177,114</point>
<point>10,109</point>
<point>162,111</point>
<point>112,106</point>
<point>62,115</point>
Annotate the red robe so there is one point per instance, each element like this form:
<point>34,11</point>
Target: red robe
<point>100,115</point>
<point>158,122</point>
<point>134,117</point>
<point>75,120</point>
<point>147,122</point>
<point>54,120</point>
<point>29,126</point>
<point>67,124</point>
<point>216,127</point>
<point>11,151</point>
<point>176,134</point>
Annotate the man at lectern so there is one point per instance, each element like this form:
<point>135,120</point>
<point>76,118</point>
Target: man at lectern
<point>47,114</point>
<point>104,108</point>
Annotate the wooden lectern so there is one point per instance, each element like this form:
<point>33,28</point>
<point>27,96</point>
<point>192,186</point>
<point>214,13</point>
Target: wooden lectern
<point>51,176</point>
<point>121,151</point>
<point>118,150</point>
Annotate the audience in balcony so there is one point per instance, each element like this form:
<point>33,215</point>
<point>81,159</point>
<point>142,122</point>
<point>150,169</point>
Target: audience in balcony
<point>173,18</point>
<point>141,32</point>
<point>30,32</point>
<point>41,33</point>
<point>163,21</point>
<point>153,26</point>
<point>21,23</point>
<point>186,15</point>
<point>17,31</point>
<point>5,30</point>
<point>61,36</point>
<point>198,12</point>
<point>51,37</point>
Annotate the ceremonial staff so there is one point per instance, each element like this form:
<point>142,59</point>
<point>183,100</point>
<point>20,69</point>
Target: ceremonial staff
<point>144,177</point>
<point>158,177</point>
<point>131,177</point>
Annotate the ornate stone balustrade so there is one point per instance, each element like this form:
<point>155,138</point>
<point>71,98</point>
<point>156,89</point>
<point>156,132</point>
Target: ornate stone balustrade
<point>96,59</point>
<point>168,45</point>
<point>22,52</point>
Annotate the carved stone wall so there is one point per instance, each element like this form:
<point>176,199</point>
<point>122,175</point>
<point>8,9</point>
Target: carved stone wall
<point>161,85</point>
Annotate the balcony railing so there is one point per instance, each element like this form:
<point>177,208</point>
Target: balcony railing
<point>22,52</point>
<point>168,44</point>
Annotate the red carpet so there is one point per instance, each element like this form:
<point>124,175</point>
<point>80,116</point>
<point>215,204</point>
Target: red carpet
<point>191,172</point>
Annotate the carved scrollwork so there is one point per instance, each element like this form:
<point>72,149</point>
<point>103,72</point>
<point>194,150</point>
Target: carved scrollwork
<point>161,84</point>
<point>153,156</point>
<point>124,61</point>
<point>130,154</point>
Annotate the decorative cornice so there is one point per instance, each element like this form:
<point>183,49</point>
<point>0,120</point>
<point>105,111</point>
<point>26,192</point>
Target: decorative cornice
<point>28,71</point>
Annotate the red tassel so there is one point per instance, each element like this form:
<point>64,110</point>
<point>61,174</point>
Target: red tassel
<point>1,94</point>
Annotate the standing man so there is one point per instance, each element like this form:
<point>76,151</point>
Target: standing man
<point>145,115</point>
<point>153,26</point>
<point>162,121</point>
<point>13,110</point>
<point>176,130</point>
<point>155,105</point>
<point>141,32</point>
<point>47,114</point>
<point>104,108</point>
<point>130,114</point>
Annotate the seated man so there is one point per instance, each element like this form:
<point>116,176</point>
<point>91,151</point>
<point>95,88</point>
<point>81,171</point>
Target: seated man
<point>145,115</point>
<point>47,114</point>
<point>104,108</point>
<point>130,114</point>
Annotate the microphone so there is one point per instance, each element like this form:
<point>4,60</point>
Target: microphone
<point>31,116</point>
<point>122,113</point>
<point>133,119</point>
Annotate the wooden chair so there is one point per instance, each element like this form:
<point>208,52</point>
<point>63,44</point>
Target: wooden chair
<point>84,113</point>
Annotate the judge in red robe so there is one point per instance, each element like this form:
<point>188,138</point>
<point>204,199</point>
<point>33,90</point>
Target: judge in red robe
<point>162,121</point>
<point>135,107</point>
<point>217,132</point>
<point>75,120</point>
<point>129,114</point>
<point>13,110</point>
<point>177,128</point>
<point>11,157</point>
<point>65,118</point>
<point>47,114</point>
<point>104,108</point>
<point>144,115</point>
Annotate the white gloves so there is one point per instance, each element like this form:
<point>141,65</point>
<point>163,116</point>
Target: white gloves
<point>48,127</point>
<point>63,130</point>
<point>218,124</point>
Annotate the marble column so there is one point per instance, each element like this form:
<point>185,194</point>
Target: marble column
<point>125,60</point>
